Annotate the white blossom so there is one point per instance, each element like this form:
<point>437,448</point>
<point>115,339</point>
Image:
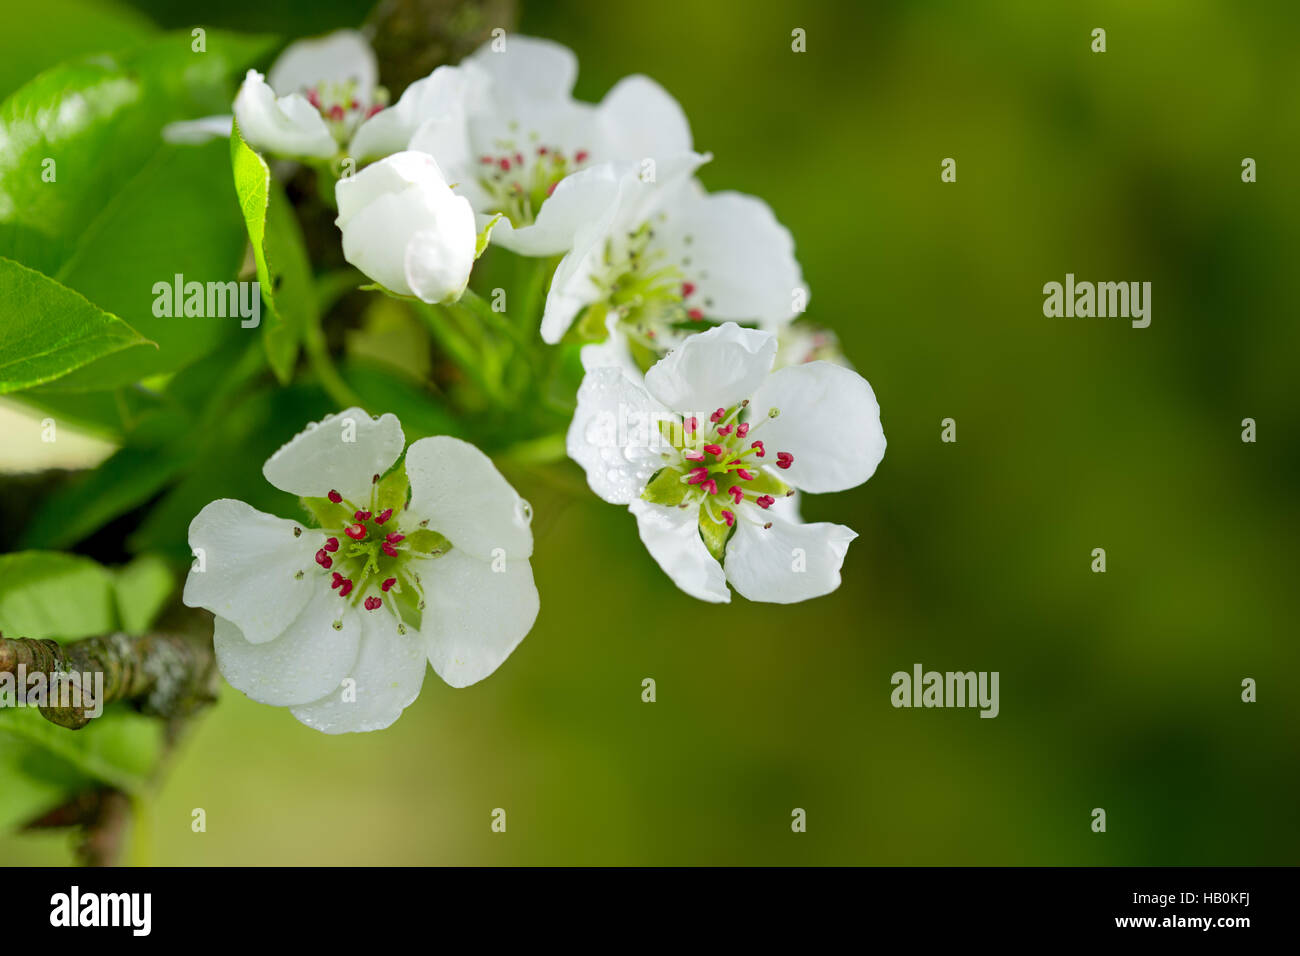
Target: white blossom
<point>708,450</point>
<point>337,622</point>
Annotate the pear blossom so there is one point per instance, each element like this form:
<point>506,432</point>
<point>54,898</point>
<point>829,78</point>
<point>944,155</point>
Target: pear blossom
<point>708,450</point>
<point>404,227</point>
<point>318,95</point>
<point>671,261</point>
<point>517,142</point>
<point>337,622</point>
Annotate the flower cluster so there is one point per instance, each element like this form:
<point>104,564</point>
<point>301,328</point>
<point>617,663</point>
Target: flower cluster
<point>705,407</point>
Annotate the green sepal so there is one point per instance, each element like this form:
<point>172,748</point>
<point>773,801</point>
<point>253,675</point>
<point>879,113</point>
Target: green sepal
<point>714,534</point>
<point>665,488</point>
<point>644,357</point>
<point>406,601</point>
<point>766,483</point>
<point>425,541</point>
<point>376,287</point>
<point>392,491</point>
<point>672,431</point>
<point>590,326</point>
<point>326,513</point>
<point>485,235</point>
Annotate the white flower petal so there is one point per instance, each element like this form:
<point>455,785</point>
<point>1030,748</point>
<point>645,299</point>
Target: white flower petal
<point>528,68</point>
<point>614,434</point>
<point>389,673</point>
<point>341,453</point>
<point>192,132</point>
<point>787,562</point>
<point>786,507</point>
<point>572,288</point>
<point>447,140</point>
<point>287,126</point>
<point>829,422</point>
<point>715,369</point>
<point>337,57</point>
<point>672,536</point>
<point>475,616</point>
<point>441,100</point>
<point>588,198</point>
<point>303,664</point>
<point>503,125</point>
<point>457,489</point>
<point>739,258</point>
<point>249,560</point>
<point>638,119</point>
<point>642,199</point>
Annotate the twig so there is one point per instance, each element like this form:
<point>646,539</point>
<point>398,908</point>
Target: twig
<point>163,675</point>
<point>103,816</point>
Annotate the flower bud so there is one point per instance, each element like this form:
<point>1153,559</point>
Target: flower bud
<point>405,229</point>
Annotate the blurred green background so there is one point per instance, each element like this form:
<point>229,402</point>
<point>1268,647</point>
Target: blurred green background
<point>1118,690</point>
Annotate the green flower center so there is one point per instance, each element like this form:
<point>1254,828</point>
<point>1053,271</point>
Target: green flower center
<point>373,550</point>
<point>719,467</point>
<point>655,303</point>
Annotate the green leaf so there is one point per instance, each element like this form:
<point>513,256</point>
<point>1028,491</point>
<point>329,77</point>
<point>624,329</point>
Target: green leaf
<point>108,415</point>
<point>253,188</point>
<point>98,123</point>
<point>48,594</point>
<point>333,286</point>
<point>665,488</point>
<point>421,412</point>
<point>47,330</point>
<point>120,748</point>
<point>38,37</point>
<point>250,428</point>
<point>564,377</point>
<point>64,597</point>
<point>128,478</point>
<point>31,781</point>
<point>283,267</point>
<point>164,434</point>
<point>97,200</point>
<point>201,239</point>
<point>142,589</point>
<point>714,534</point>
